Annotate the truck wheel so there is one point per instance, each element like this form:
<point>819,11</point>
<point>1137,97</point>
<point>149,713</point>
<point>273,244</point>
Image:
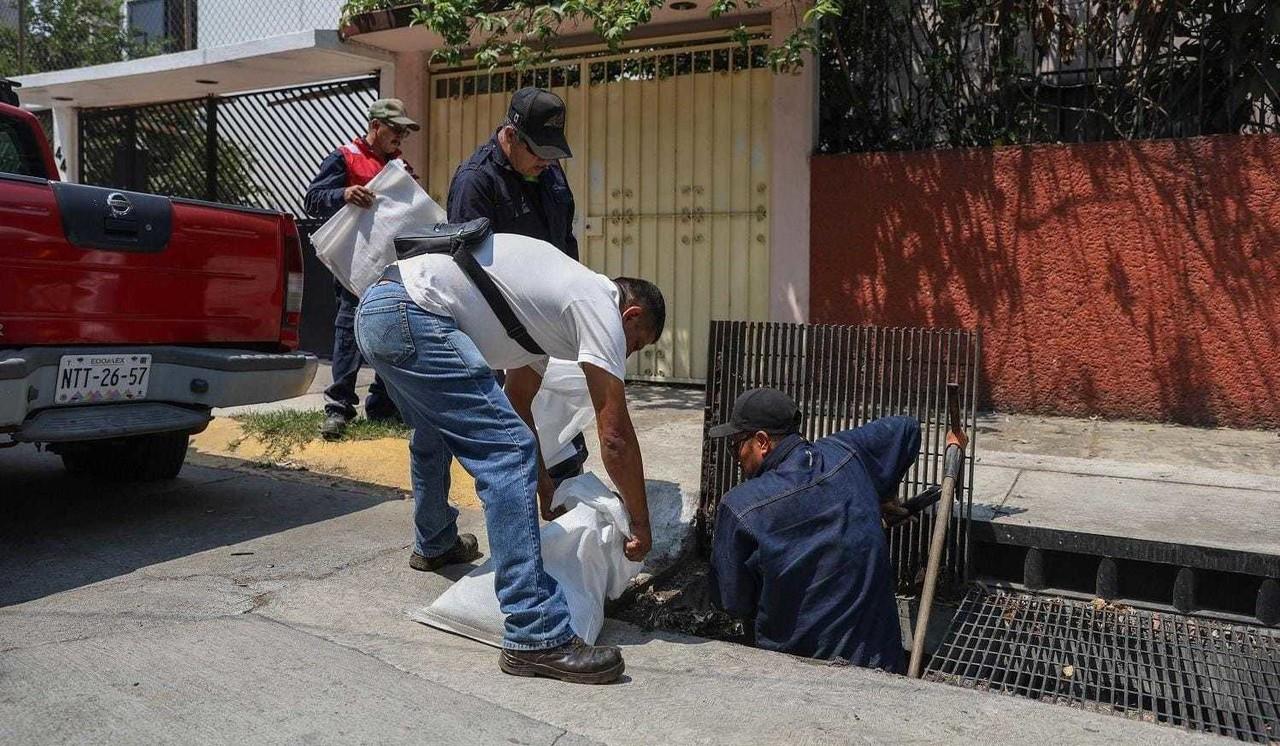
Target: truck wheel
<point>142,458</point>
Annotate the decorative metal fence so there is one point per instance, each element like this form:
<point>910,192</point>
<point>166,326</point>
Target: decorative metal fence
<point>919,74</point>
<point>260,149</point>
<point>842,377</point>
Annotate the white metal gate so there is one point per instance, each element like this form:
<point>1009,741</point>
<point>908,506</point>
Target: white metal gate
<point>671,175</point>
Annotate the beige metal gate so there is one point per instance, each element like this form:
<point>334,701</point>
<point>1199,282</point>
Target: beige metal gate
<point>671,176</point>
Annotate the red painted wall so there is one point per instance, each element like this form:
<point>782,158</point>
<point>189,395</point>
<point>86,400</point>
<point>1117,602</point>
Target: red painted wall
<point>1137,280</point>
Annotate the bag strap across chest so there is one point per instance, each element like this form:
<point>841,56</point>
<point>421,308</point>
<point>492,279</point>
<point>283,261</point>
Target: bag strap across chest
<point>460,240</point>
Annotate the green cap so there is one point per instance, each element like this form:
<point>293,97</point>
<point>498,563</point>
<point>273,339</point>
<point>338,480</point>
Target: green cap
<point>391,110</point>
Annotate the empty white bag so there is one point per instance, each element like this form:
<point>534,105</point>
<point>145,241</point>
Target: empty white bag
<point>581,549</point>
<point>561,409</point>
<point>358,243</point>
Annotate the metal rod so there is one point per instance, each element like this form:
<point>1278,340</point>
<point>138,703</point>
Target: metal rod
<point>954,458</point>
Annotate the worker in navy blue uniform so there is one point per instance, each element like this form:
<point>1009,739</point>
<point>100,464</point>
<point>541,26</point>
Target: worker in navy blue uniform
<point>515,180</point>
<point>799,549</point>
<point>341,181</point>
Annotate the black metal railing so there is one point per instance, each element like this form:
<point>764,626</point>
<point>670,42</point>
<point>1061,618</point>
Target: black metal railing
<point>260,149</point>
<point>919,74</point>
<point>44,35</point>
<point>842,377</point>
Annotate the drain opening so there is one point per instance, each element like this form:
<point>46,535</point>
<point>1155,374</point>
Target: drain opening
<point>1167,668</point>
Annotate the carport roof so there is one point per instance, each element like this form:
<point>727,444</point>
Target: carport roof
<point>290,59</point>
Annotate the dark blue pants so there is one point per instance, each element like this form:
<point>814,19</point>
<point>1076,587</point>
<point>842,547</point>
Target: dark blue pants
<point>340,397</point>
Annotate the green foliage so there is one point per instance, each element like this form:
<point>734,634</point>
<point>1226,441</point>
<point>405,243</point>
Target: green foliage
<point>61,34</point>
<point>521,32</point>
<point>907,74</point>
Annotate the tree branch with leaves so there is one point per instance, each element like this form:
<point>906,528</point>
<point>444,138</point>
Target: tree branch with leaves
<point>523,33</point>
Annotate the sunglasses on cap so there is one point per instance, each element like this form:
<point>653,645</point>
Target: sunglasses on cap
<point>398,129</point>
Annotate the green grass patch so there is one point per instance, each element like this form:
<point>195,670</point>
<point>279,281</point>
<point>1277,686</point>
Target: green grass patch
<point>285,431</point>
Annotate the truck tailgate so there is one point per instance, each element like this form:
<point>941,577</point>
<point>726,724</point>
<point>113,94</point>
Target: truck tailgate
<point>217,279</point>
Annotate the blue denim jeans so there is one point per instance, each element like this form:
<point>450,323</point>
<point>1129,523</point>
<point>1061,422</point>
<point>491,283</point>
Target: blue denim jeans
<point>447,394</point>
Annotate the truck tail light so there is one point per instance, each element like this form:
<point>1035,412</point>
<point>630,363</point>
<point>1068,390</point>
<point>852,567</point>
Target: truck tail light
<point>293,280</point>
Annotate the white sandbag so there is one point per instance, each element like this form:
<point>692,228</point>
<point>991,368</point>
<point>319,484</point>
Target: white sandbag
<point>357,243</point>
<point>581,549</point>
<point>561,409</point>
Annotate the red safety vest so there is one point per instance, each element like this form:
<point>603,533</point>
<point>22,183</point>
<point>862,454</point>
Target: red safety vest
<point>363,163</point>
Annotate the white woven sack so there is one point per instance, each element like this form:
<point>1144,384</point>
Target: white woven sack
<point>358,243</point>
<point>581,549</point>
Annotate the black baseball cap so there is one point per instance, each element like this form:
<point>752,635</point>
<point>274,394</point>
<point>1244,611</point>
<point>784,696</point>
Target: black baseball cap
<point>538,115</point>
<point>764,409</point>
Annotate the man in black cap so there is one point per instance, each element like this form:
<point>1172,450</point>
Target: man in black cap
<point>798,549</point>
<point>515,178</point>
<point>516,181</point>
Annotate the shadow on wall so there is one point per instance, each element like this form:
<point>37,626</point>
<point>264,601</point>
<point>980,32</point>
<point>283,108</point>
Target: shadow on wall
<point>1121,279</point>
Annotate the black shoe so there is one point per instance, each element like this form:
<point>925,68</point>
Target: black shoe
<point>575,662</point>
<point>392,418</point>
<point>465,549</point>
<point>334,426</point>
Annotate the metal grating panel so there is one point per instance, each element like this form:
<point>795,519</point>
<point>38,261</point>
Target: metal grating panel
<point>842,377</point>
<point>1164,668</point>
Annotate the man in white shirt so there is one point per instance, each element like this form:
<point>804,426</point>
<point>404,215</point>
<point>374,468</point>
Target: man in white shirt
<point>429,332</point>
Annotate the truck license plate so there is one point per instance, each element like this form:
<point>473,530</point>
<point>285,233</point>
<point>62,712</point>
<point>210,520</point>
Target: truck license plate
<point>84,379</point>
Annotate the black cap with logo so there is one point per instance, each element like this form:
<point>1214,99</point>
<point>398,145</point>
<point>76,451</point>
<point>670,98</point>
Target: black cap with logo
<point>538,116</point>
<point>764,409</point>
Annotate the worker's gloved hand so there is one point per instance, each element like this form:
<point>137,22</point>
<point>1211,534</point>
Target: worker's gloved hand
<point>891,514</point>
<point>957,437</point>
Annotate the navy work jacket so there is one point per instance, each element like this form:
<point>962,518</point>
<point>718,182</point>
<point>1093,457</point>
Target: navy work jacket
<point>799,547</point>
<point>486,185</point>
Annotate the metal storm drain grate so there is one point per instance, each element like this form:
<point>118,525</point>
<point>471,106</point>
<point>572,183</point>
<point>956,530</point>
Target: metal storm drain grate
<point>1165,668</point>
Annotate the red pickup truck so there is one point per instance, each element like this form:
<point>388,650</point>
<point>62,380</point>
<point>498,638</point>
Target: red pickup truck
<point>126,317</point>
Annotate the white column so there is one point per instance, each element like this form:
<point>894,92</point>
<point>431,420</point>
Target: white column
<point>66,142</point>
<point>793,134</point>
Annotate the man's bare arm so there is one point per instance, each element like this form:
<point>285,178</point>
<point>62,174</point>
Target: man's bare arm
<point>521,386</point>
<point>620,452</point>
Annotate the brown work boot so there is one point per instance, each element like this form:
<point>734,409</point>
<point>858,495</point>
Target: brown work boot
<point>465,549</point>
<point>575,662</point>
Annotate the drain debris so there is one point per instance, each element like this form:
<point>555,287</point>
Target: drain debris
<point>680,601</point>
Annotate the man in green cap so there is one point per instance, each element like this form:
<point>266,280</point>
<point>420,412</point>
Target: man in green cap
<point>342,179</point>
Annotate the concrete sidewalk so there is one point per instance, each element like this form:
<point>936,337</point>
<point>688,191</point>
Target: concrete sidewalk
<point>1210,487</point>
